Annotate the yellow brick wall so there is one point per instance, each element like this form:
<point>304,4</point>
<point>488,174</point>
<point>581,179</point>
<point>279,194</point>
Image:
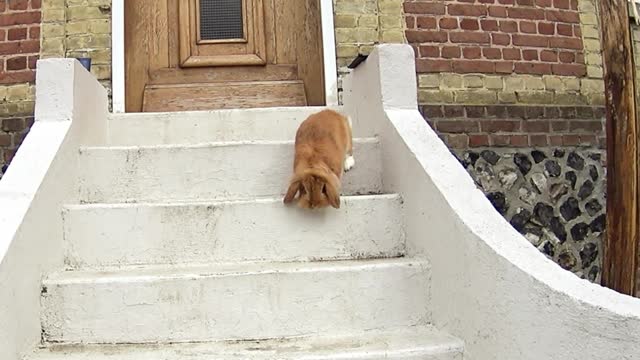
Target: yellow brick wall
<point>17,99</point>
<point>593,85</point>
<point>79,28</point>
<point>361,24</point>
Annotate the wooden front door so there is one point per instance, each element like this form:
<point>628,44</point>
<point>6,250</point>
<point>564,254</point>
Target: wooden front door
<point>216,54</point>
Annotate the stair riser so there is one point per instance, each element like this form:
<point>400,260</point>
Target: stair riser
<point>411,343</point>
<point>452,355</point>
<point>223,95</point>
<point>218,172</point>
<point>449,356</point>
<point>111,235</point>
<point>330,300</point>
<point>207,126</point>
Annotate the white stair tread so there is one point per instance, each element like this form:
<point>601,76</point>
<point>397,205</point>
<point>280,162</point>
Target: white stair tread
<point>414,343</point>
<point>228,170</point>
<point>150,273</point>
<point>99,235</point>
<point>217,125</point>
<point>208,144</point>
<point>234,201</point>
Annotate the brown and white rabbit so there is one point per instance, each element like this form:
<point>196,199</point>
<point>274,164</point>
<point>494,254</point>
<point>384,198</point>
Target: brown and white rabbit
<point>323,150</point>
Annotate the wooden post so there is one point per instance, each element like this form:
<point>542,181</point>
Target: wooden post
<point>621,244</point>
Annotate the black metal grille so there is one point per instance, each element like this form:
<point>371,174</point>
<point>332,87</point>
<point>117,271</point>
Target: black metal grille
<point>221,19</point>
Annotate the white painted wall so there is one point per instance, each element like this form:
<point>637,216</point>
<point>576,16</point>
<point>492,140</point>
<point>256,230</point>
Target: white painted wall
<point>71,110</point>
<point>490,287</point>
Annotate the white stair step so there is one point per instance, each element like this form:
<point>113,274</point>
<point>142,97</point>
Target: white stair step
<point>410,343</point>
<point>208,171</point>
<point>253,230</point>
<point>234,301</point>
<point>191,127</point>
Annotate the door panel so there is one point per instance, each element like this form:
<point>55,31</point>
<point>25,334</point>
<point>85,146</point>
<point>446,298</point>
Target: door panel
<point>146,46</point>
<point>221,46</point>
<point>237,94</point>
<point>200,45</point>
<point>225,74</point>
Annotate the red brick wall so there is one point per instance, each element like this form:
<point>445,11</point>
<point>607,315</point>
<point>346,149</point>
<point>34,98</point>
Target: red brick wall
<point>19,51</point>
<point>19,40</point>
<point>496,36</point>
<point>463,127</point>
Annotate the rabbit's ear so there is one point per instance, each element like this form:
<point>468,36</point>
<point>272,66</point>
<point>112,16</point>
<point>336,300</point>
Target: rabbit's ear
<point>333,192</point>
<point>294,187</point>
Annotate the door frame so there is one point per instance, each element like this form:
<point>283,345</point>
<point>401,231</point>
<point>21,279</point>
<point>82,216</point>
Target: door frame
<point>118,58</point>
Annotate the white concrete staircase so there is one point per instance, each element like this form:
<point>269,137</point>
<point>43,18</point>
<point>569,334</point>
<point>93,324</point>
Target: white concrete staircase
<point>181,249</point>
<point>163,237</point>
